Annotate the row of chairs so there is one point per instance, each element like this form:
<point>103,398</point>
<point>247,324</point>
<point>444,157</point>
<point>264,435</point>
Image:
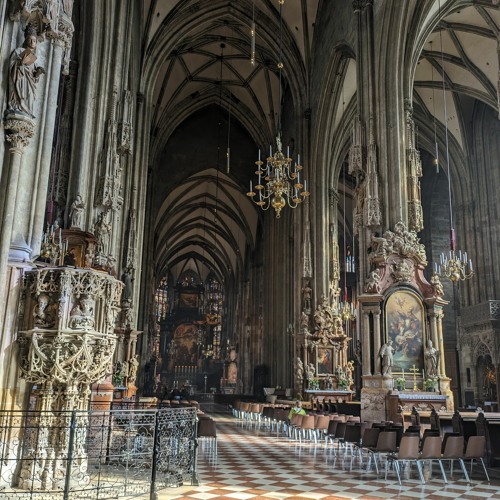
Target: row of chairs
<point>407,447</point>
<point>435,450</point>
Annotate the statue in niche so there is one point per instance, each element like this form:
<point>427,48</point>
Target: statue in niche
<point>307,294</point>
<point>43,313</point>
<point>127,281</point>
<point>24,74</point>
<point>133,365</point>
<point>102,232</point>
<point>76,212</point>
<point>82,314</point>
<point>431,358</point>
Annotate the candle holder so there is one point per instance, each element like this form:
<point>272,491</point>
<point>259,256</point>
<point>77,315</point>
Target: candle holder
<point>414,370</point>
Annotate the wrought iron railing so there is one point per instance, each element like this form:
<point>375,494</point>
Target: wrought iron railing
<point>100,454</point>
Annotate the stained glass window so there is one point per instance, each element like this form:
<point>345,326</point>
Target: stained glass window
<point>161,299</point>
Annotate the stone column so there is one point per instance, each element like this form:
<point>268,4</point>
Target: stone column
<point>376,339</point>
<point>365,325</point>
<point>433,328</point>
<point>33,228</point>
<point>18,131</point>
<point>439,318</point>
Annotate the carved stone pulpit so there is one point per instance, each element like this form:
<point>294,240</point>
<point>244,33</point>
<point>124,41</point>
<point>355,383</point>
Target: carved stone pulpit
<point>66,343</point>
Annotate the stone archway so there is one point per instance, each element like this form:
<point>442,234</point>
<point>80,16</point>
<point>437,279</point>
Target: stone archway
<point>485,386</point>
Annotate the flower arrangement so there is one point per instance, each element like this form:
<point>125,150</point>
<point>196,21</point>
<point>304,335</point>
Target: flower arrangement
<point>313,384</point>
<point>401,383</point>
<point>343,383</point>
<point>430,383</point>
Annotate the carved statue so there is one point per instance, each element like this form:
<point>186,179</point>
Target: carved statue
<point>299,370</point>
<point>349,370</point>
<point>51,13</point>
<point>329,382</point>
<point>431,357</point>
<point>119,373</point>
<point>102,232</point>
<point>89,257</point>
<point>24,74</point>
<point>307,294</point>
<point>386,354</point>
<point>304,322</point>
<point>310,371</point>
<point>127,281</point>
<point>82,314</point>
<point>133,365</point>
<point>372,284</point>
<point>76,212</point>
<point>438,286</point>
<point>43,313</point>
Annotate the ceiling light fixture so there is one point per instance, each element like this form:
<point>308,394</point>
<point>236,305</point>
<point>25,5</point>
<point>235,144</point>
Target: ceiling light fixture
<point>282,183</point>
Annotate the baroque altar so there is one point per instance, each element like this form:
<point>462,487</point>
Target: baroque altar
<point>401,324</point>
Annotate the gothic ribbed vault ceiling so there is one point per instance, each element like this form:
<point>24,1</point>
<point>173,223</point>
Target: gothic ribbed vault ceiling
<point>462,49</point>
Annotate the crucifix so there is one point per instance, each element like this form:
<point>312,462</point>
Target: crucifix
<point>415,370</point>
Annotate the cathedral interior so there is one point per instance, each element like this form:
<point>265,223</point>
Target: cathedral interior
<point>150,243</point>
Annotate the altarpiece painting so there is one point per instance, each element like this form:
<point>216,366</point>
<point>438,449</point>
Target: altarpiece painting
<point>405,324</point>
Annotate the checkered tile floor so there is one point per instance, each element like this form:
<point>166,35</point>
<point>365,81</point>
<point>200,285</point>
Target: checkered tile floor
<point>255,464</point>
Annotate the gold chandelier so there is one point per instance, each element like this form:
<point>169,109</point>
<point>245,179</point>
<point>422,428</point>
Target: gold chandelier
<point>454,265</point>
<point>282,185</point>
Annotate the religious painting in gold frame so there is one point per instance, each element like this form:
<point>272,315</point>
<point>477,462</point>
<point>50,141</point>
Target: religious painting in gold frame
<point>405,326</point>
<point>324,361</point>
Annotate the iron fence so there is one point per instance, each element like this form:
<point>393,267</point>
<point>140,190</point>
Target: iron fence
<point>96,454</point>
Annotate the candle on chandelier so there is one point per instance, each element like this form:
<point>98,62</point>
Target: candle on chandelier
<point>470,264</point>
<point>259,154</point>
<point>298,159</point>
<point>270,151</point>
<point>305,185</point>
<point>250,185</point>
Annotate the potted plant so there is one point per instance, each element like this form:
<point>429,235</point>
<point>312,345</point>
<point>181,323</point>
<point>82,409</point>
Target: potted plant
<point>400,383</point>
<point>430,384</point>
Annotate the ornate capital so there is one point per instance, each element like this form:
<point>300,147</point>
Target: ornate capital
<point>19,130</point>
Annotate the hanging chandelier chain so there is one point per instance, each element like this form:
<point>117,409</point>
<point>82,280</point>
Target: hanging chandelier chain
<point>455,265</point>
<point>446,135</point>
<point>278,182</point>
